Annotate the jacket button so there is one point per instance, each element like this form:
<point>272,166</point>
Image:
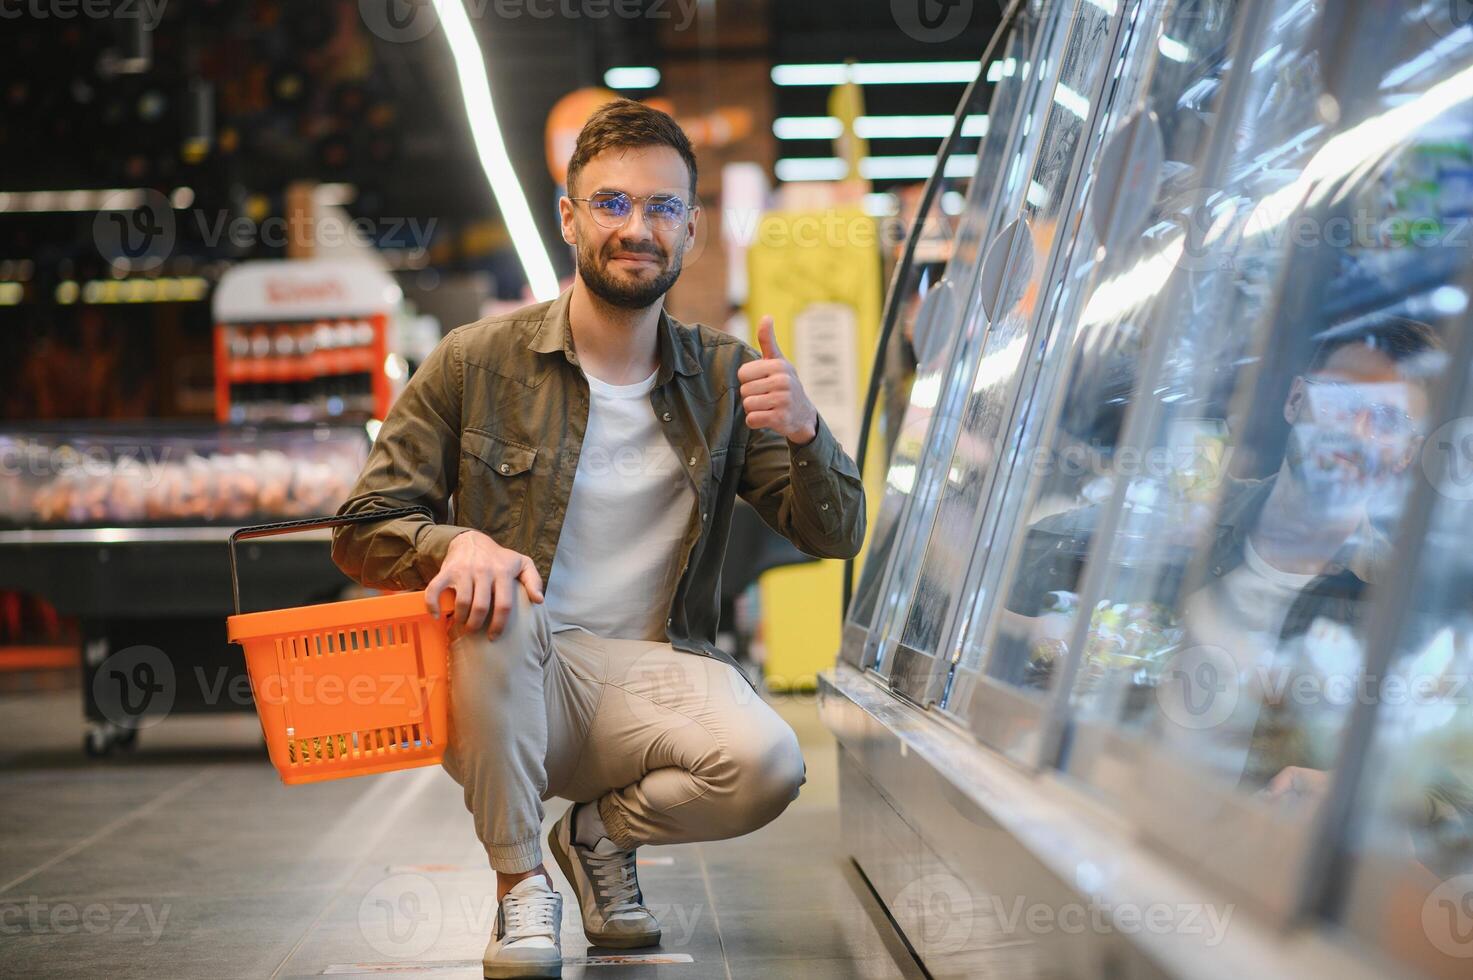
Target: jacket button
<point>703,517</point>
<point>691,461</point>
<point>505,468</point>
<point>666,416</point>
<point>823,506</point>
<point>802,462</point>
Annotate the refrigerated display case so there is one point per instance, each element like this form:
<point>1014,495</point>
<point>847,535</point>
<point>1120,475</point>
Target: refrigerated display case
<point>125,528</point>
<point>1188,515</point>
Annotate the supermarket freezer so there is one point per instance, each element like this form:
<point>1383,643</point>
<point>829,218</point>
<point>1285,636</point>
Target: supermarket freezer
<point>125,528</point>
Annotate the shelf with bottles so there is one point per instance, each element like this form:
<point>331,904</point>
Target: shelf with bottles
<point>299,372</point>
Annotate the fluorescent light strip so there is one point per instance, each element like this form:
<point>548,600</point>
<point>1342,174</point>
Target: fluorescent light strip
<point>475,92</point>
<point>632,77</point>
<point>877,73</point>
<point>875,127</point>
<point>1175,50</point>
<point>1069,99</point>
<point>873,168</point>
<point>999,70</point>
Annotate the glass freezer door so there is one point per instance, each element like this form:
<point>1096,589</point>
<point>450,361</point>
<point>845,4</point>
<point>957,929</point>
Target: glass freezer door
<point>925,435</point>
<point>1012,287</point>
<point>1220,618</point>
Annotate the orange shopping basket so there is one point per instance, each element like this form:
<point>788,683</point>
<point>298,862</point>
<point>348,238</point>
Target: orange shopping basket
<point>346,688</point>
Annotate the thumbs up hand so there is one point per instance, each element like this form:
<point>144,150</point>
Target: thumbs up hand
<point>772,395</point>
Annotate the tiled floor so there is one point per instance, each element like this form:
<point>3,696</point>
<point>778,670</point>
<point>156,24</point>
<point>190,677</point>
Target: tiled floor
<point>187,858</point>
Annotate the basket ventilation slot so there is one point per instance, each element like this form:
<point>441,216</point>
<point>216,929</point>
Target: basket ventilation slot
<point>338,642</point>
<point>365,744</point>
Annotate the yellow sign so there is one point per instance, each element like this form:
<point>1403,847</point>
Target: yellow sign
<point>817,274</point>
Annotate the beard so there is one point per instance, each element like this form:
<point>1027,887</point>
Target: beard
<point>1343,474</point>
<point>636,291</point>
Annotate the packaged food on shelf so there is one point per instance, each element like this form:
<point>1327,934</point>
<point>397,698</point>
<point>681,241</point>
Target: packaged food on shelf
<point>76,476</point>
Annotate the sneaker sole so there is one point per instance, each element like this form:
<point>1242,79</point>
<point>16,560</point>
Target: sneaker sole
<point>608,940</point>
<point>518,971</point>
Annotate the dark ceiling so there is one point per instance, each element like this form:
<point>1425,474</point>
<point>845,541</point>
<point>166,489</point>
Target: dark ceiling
<point>305,90</point>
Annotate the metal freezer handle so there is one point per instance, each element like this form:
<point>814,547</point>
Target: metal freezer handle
<point>308,524</point>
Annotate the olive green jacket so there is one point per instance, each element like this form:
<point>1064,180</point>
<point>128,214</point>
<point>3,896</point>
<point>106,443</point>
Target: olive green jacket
<point>487,435</point>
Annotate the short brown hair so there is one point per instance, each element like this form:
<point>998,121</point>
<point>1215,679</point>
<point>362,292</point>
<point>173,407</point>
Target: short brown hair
<point>624,123</point>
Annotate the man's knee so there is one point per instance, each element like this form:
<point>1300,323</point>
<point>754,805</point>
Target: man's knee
<point>767,770</point>
<point>516,647</point>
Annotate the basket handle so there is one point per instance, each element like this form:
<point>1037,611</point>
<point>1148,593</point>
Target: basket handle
<point>308,524</point>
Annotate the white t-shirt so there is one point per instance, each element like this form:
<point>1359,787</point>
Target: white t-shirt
<point>617,559</point>
<point>1234,624</point>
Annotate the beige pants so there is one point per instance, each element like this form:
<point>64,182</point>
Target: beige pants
<point>674,746</point>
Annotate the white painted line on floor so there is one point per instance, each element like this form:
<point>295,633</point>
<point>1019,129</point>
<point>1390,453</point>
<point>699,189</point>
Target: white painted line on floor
<point>422,968</point>
<point>142,809</point>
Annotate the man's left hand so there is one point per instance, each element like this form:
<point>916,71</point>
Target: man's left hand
<point>772,395</point>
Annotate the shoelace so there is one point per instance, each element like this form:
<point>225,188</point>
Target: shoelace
<point>530,915</point>
<point>613,876</point>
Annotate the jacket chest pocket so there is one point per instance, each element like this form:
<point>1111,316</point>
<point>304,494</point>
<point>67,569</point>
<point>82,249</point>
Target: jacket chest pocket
<point>495,476</point>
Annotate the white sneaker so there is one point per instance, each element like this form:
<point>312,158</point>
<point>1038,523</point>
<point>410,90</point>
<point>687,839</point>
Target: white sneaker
<point>528,924</point>
<point>603,878</point>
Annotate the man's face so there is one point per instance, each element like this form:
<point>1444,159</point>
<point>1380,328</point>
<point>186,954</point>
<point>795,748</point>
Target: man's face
<point>1357,425</point>
<point>632,265</point>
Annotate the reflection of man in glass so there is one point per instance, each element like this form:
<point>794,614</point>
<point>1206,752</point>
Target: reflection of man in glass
<point>1294,554</point>
<point>1286,567</point>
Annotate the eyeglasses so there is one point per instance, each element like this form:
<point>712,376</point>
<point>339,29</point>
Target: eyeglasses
<point>612,209</point>
<point>1345,401</point>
